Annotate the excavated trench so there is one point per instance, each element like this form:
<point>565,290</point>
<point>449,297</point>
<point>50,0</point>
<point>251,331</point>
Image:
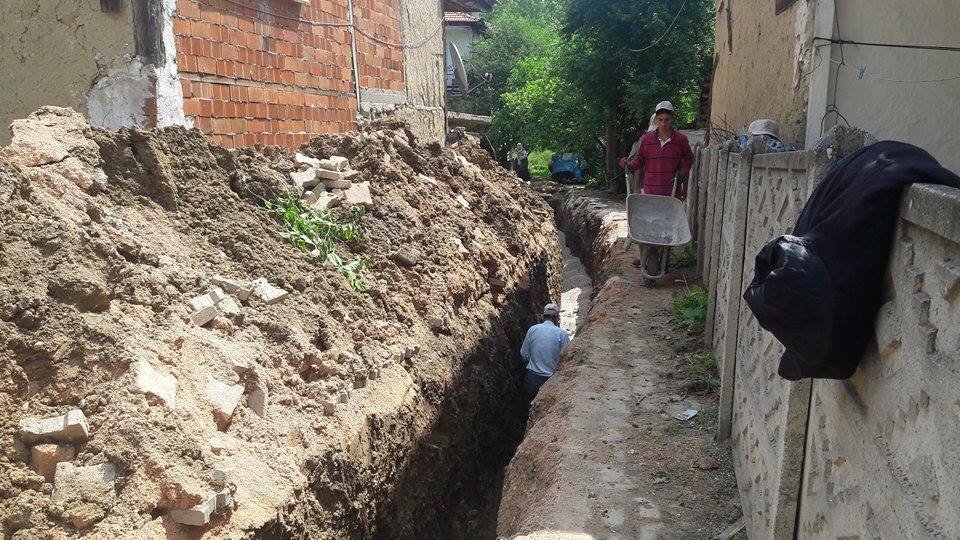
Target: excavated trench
<point>450,483</point>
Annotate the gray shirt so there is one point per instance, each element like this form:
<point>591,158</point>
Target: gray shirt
<point>541,348</point>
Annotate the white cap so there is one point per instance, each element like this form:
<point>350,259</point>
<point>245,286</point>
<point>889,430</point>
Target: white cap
<point>664,106</point>
<point>764,126</point>
<point>551,309</point>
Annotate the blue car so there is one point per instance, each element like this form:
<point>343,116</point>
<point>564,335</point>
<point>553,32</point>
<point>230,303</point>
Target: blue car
<point>567,167</point>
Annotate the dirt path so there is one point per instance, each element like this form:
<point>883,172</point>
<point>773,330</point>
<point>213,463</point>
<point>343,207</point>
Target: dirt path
<point>604,455</point>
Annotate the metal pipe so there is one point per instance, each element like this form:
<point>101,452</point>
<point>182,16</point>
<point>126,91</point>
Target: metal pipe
<point>353,56</point>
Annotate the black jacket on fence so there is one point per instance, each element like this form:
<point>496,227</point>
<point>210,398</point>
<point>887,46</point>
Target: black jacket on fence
<point>818,290</point>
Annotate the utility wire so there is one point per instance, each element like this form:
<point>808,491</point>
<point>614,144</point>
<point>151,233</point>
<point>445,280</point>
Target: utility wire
<point>841,42</point>
<point>410,45</point>
<point>878,78</point>
<point>665,32</point>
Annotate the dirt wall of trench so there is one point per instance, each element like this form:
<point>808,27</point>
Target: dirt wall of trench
<point>328,413</point>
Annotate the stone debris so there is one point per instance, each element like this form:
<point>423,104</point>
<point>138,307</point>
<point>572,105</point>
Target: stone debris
<point>92,483</point>
<point>309,197</point>
<point>70,427</point>
<point>44,458</point>
<point>224,399</point>
<point>200,515</point>
<point>149,380</point>
<point>204,316</point>
<point>334,163</point>
<point>359,193</point>
<point>257,401</point>
<point>85,515</point>
<point>305,180</point>
<point>304,159</point>
<point>329,406</point>
<point>267,292</point>
<point>461,249</point>
<point>222,474</point>
<point>229,306</point>
<point>429,180</point>
<point>241,289</point>
<point>408,258</point>
<point>463,202</point>
<point>343,396</point>
<point>334,179</point>
<point>326,201</point>
<point>208,299</point>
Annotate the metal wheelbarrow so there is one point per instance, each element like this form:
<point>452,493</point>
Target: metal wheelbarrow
<point>656,223</point>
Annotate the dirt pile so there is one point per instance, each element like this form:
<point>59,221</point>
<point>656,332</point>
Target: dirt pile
<point>171,366</point>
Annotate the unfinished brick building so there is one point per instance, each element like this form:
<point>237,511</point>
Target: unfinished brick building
<point>241,71</point>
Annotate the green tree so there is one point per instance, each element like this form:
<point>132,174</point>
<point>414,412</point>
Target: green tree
<point>586,74</point>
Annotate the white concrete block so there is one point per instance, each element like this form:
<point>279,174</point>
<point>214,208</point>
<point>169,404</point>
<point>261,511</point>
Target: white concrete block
<point>94,483</point>
<point>208,299</point>
<point>223,398</point>
<point>224,499</point>
<point>463,202</point>
<point>257,401</point>
<point>240,289</point>
<point>267,292</point>
<point>358,193</point>
<point>198,516</point>
<point>305,180</point>
<point>204,316</point>
<point>229,306</point>
<point>326,201</point>
<point>151,381</point>
<point>429,180</point>
<point>70,427</point>
<point>335,163</point>
<point>300,157</point>
<point>333,179</point>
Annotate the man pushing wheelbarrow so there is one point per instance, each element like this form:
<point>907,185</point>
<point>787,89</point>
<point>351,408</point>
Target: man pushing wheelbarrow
<point>661,162</point>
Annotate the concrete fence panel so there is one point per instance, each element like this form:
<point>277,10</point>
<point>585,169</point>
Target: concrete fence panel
<point>769,413</point>
<point>716,238</point>
<point>883,448</point>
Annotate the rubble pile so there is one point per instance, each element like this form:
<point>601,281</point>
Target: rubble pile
<point>170,364</point>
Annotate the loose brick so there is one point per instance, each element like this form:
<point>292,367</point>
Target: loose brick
<point>257,401</point>
<point>359,193</point>
<point>224,399</point>
<point>149,380</point>
<point>69,427</point>
<point>45,457</point>
<point>267,292</point>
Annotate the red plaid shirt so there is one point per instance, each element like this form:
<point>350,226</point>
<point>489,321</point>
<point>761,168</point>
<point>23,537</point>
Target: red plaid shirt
<point>661,163</point>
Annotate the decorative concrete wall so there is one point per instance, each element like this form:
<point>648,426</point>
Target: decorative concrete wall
<point>883,448</point>
<point>874,456</point>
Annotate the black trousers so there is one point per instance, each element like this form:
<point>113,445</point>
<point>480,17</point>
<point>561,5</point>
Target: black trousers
<point>532,383</point>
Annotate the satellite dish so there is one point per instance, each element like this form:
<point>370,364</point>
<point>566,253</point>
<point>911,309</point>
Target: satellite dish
<point>459,70</point>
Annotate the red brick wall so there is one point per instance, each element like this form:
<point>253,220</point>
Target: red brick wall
<point>255,71</point>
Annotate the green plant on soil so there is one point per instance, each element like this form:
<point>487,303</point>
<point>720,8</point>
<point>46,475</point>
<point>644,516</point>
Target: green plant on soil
<point>700,368</point>
<point>687,257</point>
<point>690,307</point>
<point>319,233</point>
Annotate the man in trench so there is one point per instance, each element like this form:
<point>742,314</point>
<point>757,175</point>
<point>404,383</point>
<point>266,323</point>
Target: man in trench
<point>541,350</point>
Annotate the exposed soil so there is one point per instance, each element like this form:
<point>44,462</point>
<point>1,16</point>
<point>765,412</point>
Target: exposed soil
<point>605,455</point>
<point>389,414</point>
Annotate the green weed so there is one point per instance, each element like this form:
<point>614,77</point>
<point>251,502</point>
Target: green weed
<point>318,233</point>
<point>690,307</point>
<point>700,368</point>
<point>687,257</point>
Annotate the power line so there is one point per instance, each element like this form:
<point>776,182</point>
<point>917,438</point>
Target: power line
<point>841,42</point>
<point>410,45</point>
<point>878,78</point>
<point>665,32</point>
